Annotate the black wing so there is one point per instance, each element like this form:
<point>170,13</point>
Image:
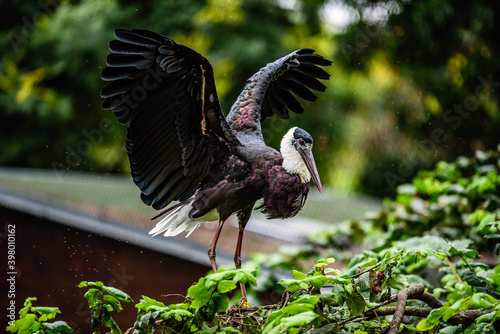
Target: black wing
<point>166,93</point>
<point>274,88</point>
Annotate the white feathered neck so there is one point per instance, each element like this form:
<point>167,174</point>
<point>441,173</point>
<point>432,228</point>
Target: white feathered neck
<point>292,161</point>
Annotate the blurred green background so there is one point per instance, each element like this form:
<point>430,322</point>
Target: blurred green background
<point>413,82</point>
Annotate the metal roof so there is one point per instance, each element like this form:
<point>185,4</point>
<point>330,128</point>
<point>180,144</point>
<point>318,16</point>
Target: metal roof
<point>110,205</point>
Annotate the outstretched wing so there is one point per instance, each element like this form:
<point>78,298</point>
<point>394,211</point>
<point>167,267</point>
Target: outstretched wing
<point>166,93</point>
<point>274,88</point>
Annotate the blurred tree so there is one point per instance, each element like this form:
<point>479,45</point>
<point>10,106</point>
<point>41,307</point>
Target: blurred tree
<point>412,82</point>
<point>424,76</point>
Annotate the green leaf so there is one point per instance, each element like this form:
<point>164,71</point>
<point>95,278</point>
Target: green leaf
<point>459,305</point>
<point>178,315</point>
<point>119,294</point>
<point>46,313</point>
<point>359,331</point>
<point>408,327</point>
<point>276,323</point>
<point>301,319</point>
<point>330,328</point>
<point>367,264</point>
<point>354,325</point>
<point>318,281</point>
<point>200,293</point>
<point>114,302</point>
<point>111,324</point>
<point>239,277</point>
<point>398,282</point>
<point>488,317</point>
<point>93,296</point>
<point>479,185</point>
<point>432,320</point>
<point>221,302</point>
<point>22,324</point>
<point>324,262</point>
<point>226,286</point>
<point>246,276</point>
<point>58,327</point>
<point>147,303</point>
<point>440,256</point>
<point>356,303</point>
<point>483,301</point>
<point>208,330</point>
<point>83,284</point>
<point>470,253</point>
<point>298,275</point>
<point>145,318</point>
<point>230,330</point>
<point>451,330</point>
<point>485,224</point>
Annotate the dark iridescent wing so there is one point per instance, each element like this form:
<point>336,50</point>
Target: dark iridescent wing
<point>166,93</point>
<point>275,88</point>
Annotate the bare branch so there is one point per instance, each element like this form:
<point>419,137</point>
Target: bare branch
<point>430,300</point>
<point>467,317</point>
<point>409,310</point>
<point>414,291</point>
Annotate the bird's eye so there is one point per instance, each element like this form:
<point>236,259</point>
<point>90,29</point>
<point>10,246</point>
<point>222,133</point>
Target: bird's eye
<point>301,142</point>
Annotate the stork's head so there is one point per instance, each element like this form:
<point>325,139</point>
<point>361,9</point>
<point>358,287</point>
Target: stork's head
<point>296,150</point>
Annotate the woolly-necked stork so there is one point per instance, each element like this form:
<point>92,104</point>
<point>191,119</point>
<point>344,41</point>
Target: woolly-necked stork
<point>182,148</point>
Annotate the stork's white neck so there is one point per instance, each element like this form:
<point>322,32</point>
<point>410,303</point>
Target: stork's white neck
<point>292,161</point>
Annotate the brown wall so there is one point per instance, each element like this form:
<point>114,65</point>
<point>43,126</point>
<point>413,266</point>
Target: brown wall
<point>52,259</point>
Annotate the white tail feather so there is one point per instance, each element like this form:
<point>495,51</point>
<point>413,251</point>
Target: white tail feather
<point>176,222</point>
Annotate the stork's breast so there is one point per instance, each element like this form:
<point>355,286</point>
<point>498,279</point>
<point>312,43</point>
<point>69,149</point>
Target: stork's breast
<point>284,195</point>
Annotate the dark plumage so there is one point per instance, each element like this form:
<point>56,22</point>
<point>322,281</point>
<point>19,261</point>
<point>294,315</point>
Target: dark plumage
<point>182,148</point>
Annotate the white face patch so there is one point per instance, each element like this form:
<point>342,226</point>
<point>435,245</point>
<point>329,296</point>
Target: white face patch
<point>292,160</point>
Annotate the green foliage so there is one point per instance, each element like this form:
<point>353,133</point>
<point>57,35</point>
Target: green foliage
<point>456,200</point>
<point>102,301</point>
<point>204,300</point>
<point>34,319</point>
<point>325,299</point>
<point>435,260</point>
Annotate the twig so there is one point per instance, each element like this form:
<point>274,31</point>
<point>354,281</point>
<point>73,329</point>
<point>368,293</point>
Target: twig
<point>453,269</point>
<point>467,317</point>
<point>430,300</point>
<point>177,295</point>
<point>285,298</point>
<point>389,310</point>
<point>371,268</point>
<point>250,309</point>
<point>399,312</point>
<point>371,309</point>
<point>365,271</point>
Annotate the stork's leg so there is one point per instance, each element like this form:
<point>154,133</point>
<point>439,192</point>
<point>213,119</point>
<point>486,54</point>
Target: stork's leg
<point>243,218</point>
<point>211,250</point>
<point>237,263</point>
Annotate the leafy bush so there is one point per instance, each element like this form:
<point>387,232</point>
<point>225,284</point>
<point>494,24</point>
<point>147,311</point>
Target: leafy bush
<point>33,319</point>
<point>102,301</point>
<point>433,267</point>
<point>457,200</point>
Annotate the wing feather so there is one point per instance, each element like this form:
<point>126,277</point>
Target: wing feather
<point>273,90</point>
<point>173,133</point>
